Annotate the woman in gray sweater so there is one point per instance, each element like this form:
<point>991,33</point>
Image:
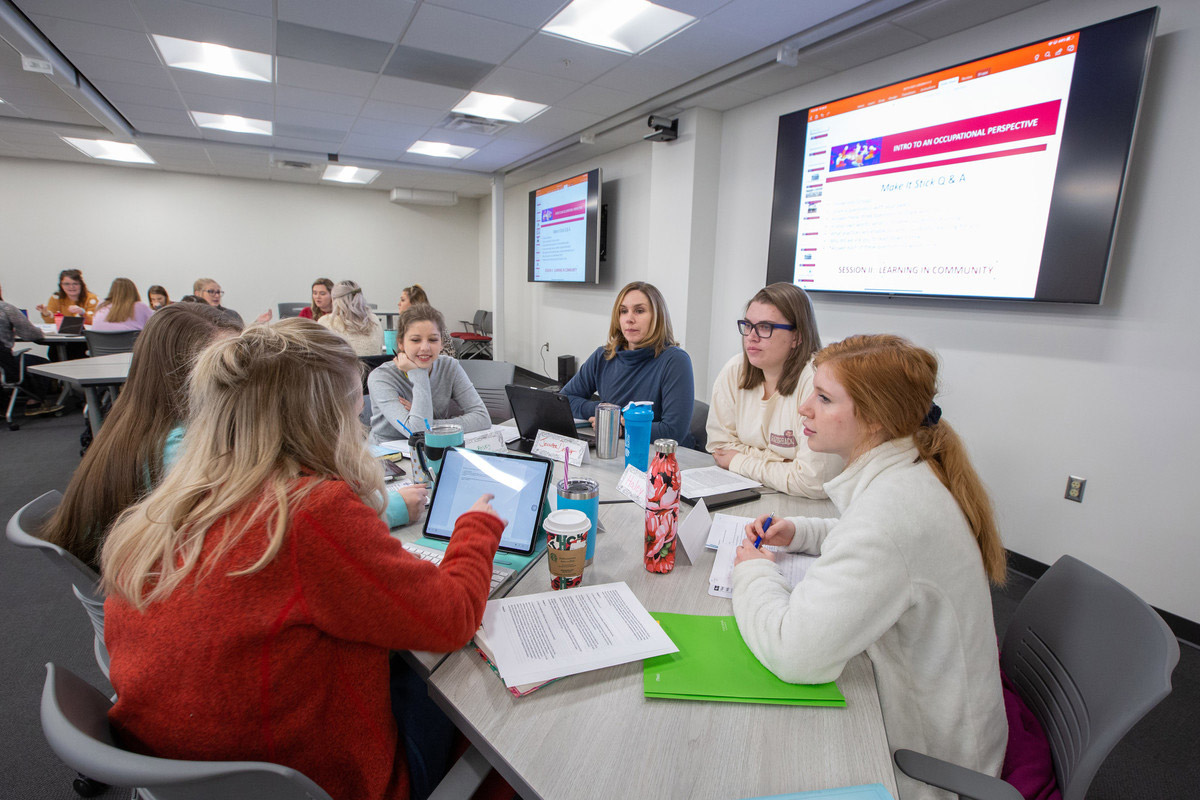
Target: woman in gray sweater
<point>421,384</point>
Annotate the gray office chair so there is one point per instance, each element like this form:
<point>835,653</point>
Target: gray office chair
<point>699,425</point>
<point>75,723</point>
<point>291,309</point>
<point>489,379</point>
<point>476,341</point>
<point>1090,658</point>
<point>85,581</point>
<point>106,343</point>
<point>13,382</point>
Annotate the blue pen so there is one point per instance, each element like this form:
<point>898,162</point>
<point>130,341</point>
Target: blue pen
<point>766,524</point>
<point>427,425</point>
<point>406,430</point>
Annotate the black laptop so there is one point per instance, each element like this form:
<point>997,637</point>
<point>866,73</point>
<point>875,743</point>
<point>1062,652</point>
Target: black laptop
<point>71,326</point>
<point>538,410</point>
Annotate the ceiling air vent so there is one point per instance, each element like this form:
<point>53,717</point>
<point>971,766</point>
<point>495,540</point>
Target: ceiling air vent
<point>283,162</point>
<point>471,124</point>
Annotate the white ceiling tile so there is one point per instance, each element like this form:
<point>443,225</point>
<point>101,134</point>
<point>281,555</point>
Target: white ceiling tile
<point>316,119</point>
<point>534,136</point>
<point>394,131</point>
<point>723,98</point>
<point>114,13</point>
<point>118,93</point>
<point>223,105</point>
<point>644,78</point>
<point>262,8</point>
<point>416,93</point>
<point>202,23</point>
<point>444,30</point>
<point>771,21</point>
<point>190,83</point>
<point>598,100</point>
<point>98,40</point>
<point>330,102</point>
<point>374,19</point>
<point>863,45</point>
<point>139,114</point>
<point>527,85</point>
<point>526,13</point>
<point>939,18</point>
<point>315,146</point>
<point>563,58</point>
<point>561,119</point>
<point>307,75</point>
<point>375,146</point>
<point>697,8</point>
<point>461,138</point>
<point>100,70</point>
<point>399,112</point>
<point>703,47</point>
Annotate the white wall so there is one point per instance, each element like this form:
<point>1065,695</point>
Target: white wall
<point>265,242</point>
<point>1104,392</point>
<point>1038,392</point>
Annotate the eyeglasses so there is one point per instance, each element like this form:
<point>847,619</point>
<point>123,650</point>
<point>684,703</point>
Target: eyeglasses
<point>216,292</point>
<point>763,329</point>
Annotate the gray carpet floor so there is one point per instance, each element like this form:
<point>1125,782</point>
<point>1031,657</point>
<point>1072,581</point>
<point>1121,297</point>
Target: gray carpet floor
<point>1160,758</point>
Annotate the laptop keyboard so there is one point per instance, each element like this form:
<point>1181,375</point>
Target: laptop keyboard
<point>432,554</point>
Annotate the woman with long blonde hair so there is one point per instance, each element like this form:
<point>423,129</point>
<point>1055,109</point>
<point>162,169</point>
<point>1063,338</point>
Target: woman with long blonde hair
<point>123,309</point>
<point>903,573</point>
<point>259,582</point>
<point>353,319</point>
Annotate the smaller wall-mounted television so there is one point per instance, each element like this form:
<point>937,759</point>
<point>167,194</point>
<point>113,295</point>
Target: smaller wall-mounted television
<point>997,178</point>
<point>564,230</point>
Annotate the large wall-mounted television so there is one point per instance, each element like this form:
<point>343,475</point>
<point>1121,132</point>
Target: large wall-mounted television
<point>564,230</point>
<point>998,178</point>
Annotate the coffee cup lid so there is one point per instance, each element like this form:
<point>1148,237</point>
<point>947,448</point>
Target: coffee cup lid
<point>567,521</point>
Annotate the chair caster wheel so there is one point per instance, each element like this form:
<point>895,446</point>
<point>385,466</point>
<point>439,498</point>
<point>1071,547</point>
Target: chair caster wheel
<point>86,787</point>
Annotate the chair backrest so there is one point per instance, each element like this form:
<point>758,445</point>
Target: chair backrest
<point>84,580</point>
<point>1090,658</point>
<point>291,309</point>
<point>369,363</point>
<point>489,379</point>
<point>106,343</point>
<point>75,723</point>
<point>477,321</point>
<point>699,425</point>
<point>485,324</point>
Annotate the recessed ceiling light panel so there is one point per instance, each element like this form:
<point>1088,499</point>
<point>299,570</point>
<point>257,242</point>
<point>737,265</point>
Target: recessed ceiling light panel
<point>215,59</point>
<point>347,174</point>
<point>232,123</point>
<point>627,26</point>
<point>440,150</point>
<point>110,151</point>
<point>498,107</point>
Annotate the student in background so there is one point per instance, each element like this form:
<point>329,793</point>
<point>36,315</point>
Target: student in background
<point>72,299</point>
<point>640,361</point>
<point>209,291</point>
<point>141,433</point>
<point>322,300</point>
<point>157,297</point>
<point>902,574</point>
<point>412,296</point>
<point>13,324</point>
<point>267,539</point>
<point>754,426</point>
<point>353,319</point>
<point>421,383</point>
<point>123,309</point>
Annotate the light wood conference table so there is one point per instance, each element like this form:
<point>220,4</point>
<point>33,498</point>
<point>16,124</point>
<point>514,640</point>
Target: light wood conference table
<point>595,735</point>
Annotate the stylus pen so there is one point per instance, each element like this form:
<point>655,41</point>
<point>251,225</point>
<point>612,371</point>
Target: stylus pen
<point>406,430</point>
<point>766,524</point>
<point>427,424</point>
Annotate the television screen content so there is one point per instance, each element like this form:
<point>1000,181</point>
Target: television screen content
<point>564,230</point>
<point>997,178</point>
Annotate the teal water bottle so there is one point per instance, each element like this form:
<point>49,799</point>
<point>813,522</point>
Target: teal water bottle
<point>638,416</point>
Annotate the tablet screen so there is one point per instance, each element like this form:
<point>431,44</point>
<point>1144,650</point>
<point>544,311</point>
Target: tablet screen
<point>518,483</point>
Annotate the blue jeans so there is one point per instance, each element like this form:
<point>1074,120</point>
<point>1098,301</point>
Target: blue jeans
<point>427,733</point>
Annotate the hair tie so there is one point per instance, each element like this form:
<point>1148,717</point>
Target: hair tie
<point>342,291</point>
<point>932,416</point>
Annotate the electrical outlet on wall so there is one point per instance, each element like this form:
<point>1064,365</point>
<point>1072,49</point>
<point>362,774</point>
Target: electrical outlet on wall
<point>1075,487</point>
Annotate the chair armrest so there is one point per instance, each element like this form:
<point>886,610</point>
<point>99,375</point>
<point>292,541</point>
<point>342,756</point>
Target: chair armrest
<point>21,352</point>
<point>966,783</point>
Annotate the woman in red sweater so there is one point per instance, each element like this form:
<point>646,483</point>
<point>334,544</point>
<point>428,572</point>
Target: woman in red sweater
<point>255,594</point>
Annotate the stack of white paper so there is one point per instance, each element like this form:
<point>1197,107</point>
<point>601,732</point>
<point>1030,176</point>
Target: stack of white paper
<point>540,637</point>
<point>713,480</point>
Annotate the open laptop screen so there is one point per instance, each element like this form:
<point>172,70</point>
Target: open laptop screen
<point>519,484</point>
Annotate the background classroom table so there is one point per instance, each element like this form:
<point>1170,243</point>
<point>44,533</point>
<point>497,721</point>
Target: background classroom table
<point>88,374</point>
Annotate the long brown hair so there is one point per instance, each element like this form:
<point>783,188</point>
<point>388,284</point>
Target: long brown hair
<point>74,274</point>
<point>317,313</point>
<point>660,336</point>
<point>268,408</point>
<point>892,383</point>
<point>125,460</point>
<point>121,296</point>
<point>793,303</point>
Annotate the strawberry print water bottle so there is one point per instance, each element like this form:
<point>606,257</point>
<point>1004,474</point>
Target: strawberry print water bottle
<point>662,507</point>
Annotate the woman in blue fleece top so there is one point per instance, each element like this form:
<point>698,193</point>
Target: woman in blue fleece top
<point>641,361</point>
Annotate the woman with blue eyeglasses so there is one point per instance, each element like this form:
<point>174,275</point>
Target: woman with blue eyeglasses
<point>754,422</point>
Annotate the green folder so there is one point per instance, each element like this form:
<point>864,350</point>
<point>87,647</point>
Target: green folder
<point>714,663</point>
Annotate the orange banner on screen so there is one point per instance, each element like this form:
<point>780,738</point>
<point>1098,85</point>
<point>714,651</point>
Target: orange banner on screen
<point>562,185</point>
<point>1054,48</point>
